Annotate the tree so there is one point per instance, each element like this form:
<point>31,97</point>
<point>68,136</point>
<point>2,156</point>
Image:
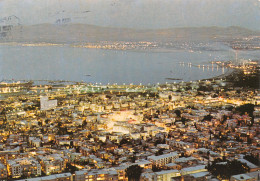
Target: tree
<point>40,123</point>
<point>184,120</point>
<point>178,113</point>
<point>207,118</point>
<point>70,168</point>
<point>84,123</point>
<point>59,124</point>
<point>159,152</point>
<point>224,119</point>
<point>253,159</point>
<point>170,97</point>
<point>133,172</point>
<point>123,141</point>
<point>47,121</point>
<point>155,168</point>
<point>246,108</point>
<point>226,170</point>
<point>133,158</point>
<point>252,121</point>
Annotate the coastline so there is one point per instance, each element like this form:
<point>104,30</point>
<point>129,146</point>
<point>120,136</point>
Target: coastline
<point>225,75</point>
<point>67,82</point>
<point>96,45</point>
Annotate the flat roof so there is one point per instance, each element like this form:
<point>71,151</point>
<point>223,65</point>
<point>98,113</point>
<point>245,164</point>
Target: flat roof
<point>189,169</point>
<point>163,156</point>
<point>200,174</point>
<point>251,165</point>
<point>167,172</point>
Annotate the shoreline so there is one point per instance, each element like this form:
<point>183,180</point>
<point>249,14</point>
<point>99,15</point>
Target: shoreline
<point>223,76</point>
<point>108,46</point>
<point>63,82</point>
<point>76,45</point>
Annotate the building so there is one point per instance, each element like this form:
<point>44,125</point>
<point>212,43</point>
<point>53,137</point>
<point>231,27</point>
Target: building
<point>94,175</point>
<point>162,160</point>
<point>23,167</point>
<point>56,177</point>
<point>251,166</point>
<point>47,104</point>
<point>251,176</point>
<point>3,171</point>
<point>200,176</point>
<point>166,175</point>
<point>54,163</point>
<point>192,170</point>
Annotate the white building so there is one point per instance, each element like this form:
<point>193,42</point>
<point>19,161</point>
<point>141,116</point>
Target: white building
<point>162,160</point>
<point>53,163</point>
<point>95,175</point>
<point>166,175</point>
<point>47,104</point>
<point>36,142</point>
<point>23,166</point>
<point>251,176</point>
<point>192,170</point>
<point>56,177</point>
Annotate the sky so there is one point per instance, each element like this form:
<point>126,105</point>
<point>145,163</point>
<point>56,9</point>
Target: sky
<point>140,14</point>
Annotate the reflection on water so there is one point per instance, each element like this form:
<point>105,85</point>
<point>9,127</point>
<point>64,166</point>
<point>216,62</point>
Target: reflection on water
<point>107,66</point>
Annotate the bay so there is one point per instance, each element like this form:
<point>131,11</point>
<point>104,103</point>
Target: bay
<point>111,66</point>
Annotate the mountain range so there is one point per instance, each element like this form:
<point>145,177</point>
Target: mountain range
<point>80,33</point>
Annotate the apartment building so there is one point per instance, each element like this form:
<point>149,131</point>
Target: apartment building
<point>164,159</point>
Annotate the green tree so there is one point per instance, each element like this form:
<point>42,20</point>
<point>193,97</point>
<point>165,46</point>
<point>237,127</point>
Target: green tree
<point>159,152</point>
<point>70,168</point>
<point>40,123</point>
<point>84,123</point>
<point>225,170</point>
<point>246,108</point>
<point>253,159</point>
<point>133,172</point>
<point>155,168</point>
<point>178,113</point>
<point>207,118</point>
<point>47,121</point>
<point>170,97</point>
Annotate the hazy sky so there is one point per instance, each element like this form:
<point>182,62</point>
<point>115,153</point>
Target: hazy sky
<point>137,13</point>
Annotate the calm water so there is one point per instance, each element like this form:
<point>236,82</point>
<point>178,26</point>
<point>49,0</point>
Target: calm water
<point>109,66</point>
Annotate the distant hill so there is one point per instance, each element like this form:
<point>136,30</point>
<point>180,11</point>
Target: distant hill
<point>76,33</point>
